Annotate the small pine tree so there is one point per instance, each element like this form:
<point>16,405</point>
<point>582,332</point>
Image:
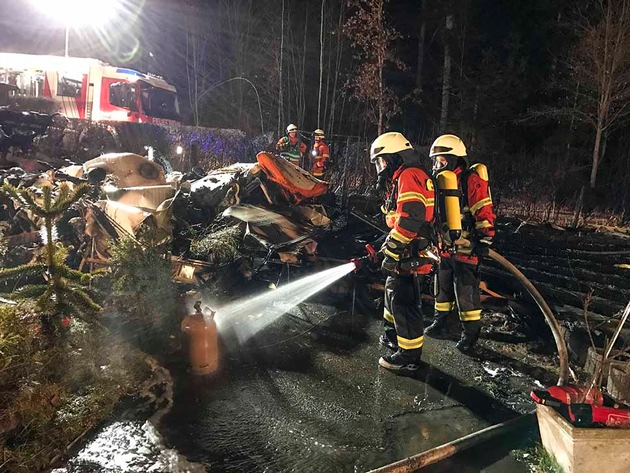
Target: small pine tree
<point>62,290</point>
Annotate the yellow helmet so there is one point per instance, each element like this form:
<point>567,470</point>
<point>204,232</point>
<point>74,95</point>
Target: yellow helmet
<point>319,132</point>
<point>291,128</point>
<point>391,142</point>
<point>448,144</point>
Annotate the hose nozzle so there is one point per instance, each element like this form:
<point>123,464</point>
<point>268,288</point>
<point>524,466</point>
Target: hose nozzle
<point>371,257</point>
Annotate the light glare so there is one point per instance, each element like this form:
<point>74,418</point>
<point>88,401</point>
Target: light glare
<point>79,12</point>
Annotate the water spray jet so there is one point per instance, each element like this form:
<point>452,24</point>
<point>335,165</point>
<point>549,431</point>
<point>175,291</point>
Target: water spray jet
<point>248,316</point>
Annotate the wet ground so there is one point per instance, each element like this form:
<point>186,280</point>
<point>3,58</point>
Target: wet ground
<point>307,394</point>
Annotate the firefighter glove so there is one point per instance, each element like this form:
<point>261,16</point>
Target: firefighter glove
<point>393,247</point>
<point>481,247</point>
<point>388,266</point>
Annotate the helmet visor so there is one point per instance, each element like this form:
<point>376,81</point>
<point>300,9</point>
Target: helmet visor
<point>380,164</point>
<point>439,163</point>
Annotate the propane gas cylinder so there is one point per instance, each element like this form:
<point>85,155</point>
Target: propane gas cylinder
<point>203,341</point>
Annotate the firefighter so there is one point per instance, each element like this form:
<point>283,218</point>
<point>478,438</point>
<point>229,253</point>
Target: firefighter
<point>458,272</point>
<point>320,153</point>
<point>409,213</point>
<point>291,147</point>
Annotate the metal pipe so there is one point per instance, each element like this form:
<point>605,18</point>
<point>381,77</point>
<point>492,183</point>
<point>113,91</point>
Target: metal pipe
<point>449,449</point>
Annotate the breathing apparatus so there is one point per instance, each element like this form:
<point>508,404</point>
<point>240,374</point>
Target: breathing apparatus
<point>449,207</point>
<point>448,153</point>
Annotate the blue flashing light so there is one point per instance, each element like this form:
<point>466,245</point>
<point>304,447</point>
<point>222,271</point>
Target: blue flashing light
<point>122,70</point>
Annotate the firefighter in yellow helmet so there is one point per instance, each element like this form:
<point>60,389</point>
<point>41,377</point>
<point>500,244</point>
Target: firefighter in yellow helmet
<point>291,147</point>
<point>320,154</point>
<point>409,214</point>
<point>458,272</point>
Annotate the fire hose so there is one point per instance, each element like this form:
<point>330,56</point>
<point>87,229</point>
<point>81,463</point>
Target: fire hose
<point>540,302</point>
<point>533,292</point>
<point>545,309</point>
<point>441,452</point>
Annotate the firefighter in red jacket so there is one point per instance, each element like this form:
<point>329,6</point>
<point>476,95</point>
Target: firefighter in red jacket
<point>320,154</point>
<point>291,147</point>
<point>458,273</point>
<point>409,214</point>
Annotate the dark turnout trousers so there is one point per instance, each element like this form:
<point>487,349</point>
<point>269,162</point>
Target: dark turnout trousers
<point>403,314</point>
<point>458,285</point>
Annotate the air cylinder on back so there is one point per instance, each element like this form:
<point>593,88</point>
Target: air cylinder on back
<point>449,205</point>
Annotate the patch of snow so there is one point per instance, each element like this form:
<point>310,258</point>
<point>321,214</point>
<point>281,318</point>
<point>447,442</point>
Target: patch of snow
<point>130,447</point>
<point>495,370</point>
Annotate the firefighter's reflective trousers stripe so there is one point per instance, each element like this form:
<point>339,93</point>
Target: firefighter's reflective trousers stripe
<point>458,285</point>
<point>402,314</point>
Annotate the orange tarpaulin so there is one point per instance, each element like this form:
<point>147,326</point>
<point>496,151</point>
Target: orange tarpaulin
<point>297,183</point>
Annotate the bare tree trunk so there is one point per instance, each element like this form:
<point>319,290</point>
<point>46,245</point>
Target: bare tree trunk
<point>626,189</point>
<point>596,155</point>
<point>302,108</point>
<point>280,104</point>
<point>473,135</point>
<point>381,63</point>
<point>462,49</point>
<point>321,64</point>
<point>572,123</point>
<point>192,84</point>
<point>421,38</point>
<point>380,101</point>
<point>446,81</point>
<point>578,208</point>
<point>333,105</point>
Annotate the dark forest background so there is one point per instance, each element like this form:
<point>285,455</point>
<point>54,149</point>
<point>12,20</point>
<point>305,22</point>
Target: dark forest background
<point>538,89</point>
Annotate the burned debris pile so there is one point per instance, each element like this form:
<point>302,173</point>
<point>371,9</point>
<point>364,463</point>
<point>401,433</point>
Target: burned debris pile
<point>194,228</point>
<point>265,209</point>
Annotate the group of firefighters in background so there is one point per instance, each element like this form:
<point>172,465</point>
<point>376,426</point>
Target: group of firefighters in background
<point>419,211</point>
<point>294,150</point>
<point>443,217</point>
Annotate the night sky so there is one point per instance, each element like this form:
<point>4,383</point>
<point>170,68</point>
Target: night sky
<point>508,46</point>
<point>156,26</point>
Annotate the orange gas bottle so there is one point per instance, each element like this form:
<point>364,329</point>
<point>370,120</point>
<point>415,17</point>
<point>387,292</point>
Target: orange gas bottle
<point>203,342</point>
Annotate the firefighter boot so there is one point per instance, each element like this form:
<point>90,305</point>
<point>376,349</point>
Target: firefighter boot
<point>389,339</point>
<point>438,326</point>
<point>470,335</point>
<point>402,360</point>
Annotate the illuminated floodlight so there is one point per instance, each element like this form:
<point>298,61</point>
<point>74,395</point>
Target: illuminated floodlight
<point>77,13</point>
<point>179,150</point>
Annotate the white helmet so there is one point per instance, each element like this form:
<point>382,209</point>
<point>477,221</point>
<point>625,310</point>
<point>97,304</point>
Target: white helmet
<point>291,128</point>
<point>319,132</point>
<point>388,143</point>
<point>384,151</point>
<point>448,144</point>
